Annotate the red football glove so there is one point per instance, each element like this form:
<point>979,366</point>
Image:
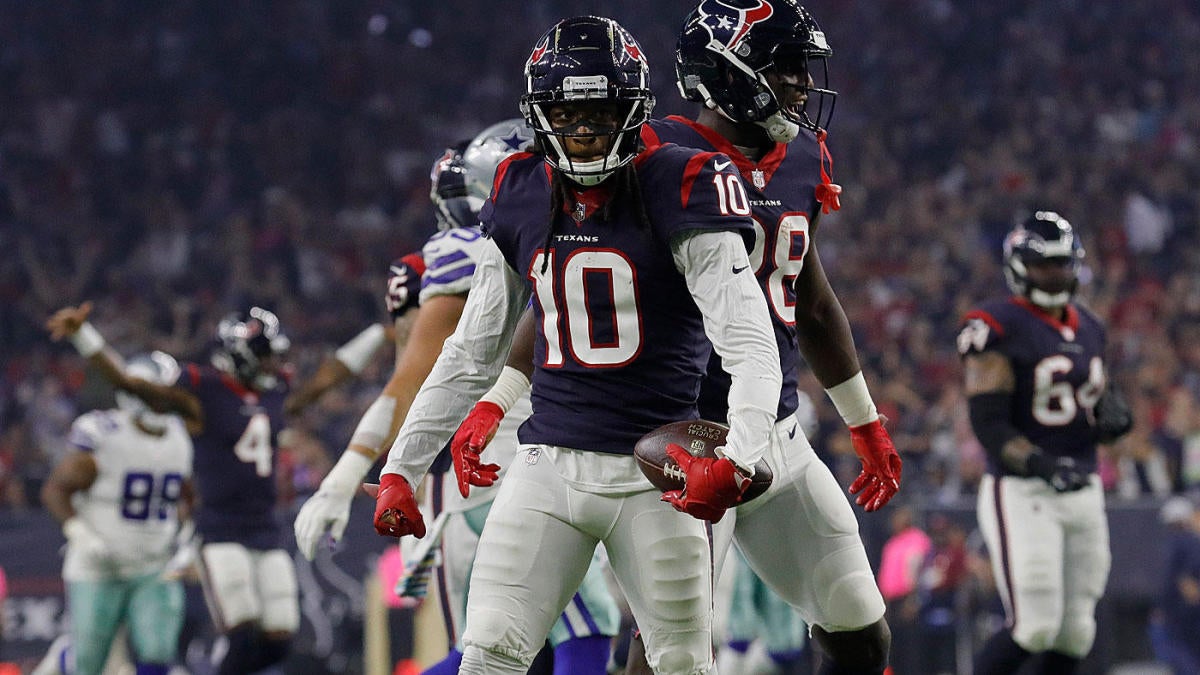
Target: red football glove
<point>710,485</point>
<point>472,437</point>
<point>396,512</point>
<point>880,477</point>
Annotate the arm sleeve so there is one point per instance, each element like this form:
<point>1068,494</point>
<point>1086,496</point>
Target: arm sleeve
<point>737,323</point>
<point>470,361</point>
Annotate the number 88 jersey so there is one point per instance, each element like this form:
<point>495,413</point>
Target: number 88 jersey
<point>779,187</point>
<point>1058,371</point>
<point>132,502</point>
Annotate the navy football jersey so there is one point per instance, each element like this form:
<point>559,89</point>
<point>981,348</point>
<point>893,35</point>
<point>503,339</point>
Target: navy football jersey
<point>234,457</point>
<point>621,347</point>
<point>404,284</point>
<point>780,186</point>
<point>1059,370</point>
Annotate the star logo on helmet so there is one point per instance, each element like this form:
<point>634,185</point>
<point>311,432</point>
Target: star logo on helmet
<point>726,27</point>
<point>513,140</point>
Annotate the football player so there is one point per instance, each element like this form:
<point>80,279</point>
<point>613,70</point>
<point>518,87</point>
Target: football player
<point>754,73</point>
<point>120,496</point>
<point>631,258</point>
<point>233,409</point>
<point>1036,386</point>
<point>444,273</point>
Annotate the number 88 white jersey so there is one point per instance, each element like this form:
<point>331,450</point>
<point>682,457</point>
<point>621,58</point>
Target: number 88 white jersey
<point>132,504</point>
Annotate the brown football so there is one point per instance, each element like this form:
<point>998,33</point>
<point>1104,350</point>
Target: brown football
<point>699,437</point>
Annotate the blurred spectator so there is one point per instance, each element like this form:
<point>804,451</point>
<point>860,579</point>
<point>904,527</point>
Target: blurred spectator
<point>167,185</point>
<point>899,570</point>
<point>1175,630</point>
<point>942,575</point>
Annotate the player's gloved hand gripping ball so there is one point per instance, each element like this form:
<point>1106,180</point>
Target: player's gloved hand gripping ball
<point>396,512</point>
<point>681,459</point>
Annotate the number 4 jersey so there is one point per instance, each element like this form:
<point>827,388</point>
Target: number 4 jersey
<point>1058,368</point>
<point>132,503</point>
<point>235,458</point>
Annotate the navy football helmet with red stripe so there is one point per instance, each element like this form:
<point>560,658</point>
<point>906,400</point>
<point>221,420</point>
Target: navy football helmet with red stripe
<point>726,48</point>
<point>247,346</point>
<point>587,60</point>
<point>1044,237</point>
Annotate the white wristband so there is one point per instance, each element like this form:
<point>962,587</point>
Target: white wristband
<point>375,425</point>
<point>509,388</point>
<point>73,527</point>
<point>853,401</point>
<point>87,340</point>
<point>349,471</point>
<point>357,353</point>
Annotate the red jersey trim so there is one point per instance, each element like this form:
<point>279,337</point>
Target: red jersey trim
<point>649,138</point>
<point>690,173</point>
<point>986,318</point>
<point>503,169</point>
<point>1072,315</point>
<point>415,261</point>
<point>769,164</point>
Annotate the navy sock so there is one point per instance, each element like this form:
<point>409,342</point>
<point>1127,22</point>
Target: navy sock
<point>270,652</point>
<point>243,651</point>
<point>152,669</point>
<point>447,666</point>
<point>1000,655</point>
<point>585,656</point>
<point>1057,663</point>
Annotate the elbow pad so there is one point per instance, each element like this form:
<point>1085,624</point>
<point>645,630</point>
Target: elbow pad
<point>991,419</point>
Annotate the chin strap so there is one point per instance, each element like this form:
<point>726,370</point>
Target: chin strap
<point>827,193</point>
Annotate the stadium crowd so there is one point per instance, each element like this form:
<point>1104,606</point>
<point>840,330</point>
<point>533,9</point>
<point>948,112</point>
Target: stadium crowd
<point>172,161</point>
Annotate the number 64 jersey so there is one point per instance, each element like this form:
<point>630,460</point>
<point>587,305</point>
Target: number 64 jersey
<point>1058,368</point>
<point>132,502</point>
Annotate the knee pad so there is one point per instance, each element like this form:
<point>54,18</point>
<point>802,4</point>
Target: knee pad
<point>1076,637</point>
<point>1034,638</point>
<point>679,662</point>
<point>848,601</point>
<point>864,650</point>
<point>279,591</point>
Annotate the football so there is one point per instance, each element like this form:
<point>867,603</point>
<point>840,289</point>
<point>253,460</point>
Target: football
<point>699,437</point>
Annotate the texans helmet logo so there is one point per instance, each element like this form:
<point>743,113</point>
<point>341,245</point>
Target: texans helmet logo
<point>538,52</point>
<point>728,24</point>
<point>634,52</point>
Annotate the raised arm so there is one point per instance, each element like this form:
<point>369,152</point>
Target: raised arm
<point>71,324</point>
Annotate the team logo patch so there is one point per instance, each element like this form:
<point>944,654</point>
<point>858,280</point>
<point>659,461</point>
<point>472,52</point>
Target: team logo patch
<point>727,24</point>
<point>539,51</point>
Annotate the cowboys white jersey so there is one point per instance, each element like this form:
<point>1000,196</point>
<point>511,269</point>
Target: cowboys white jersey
<point>450,259</point>
<point>132,503</point>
